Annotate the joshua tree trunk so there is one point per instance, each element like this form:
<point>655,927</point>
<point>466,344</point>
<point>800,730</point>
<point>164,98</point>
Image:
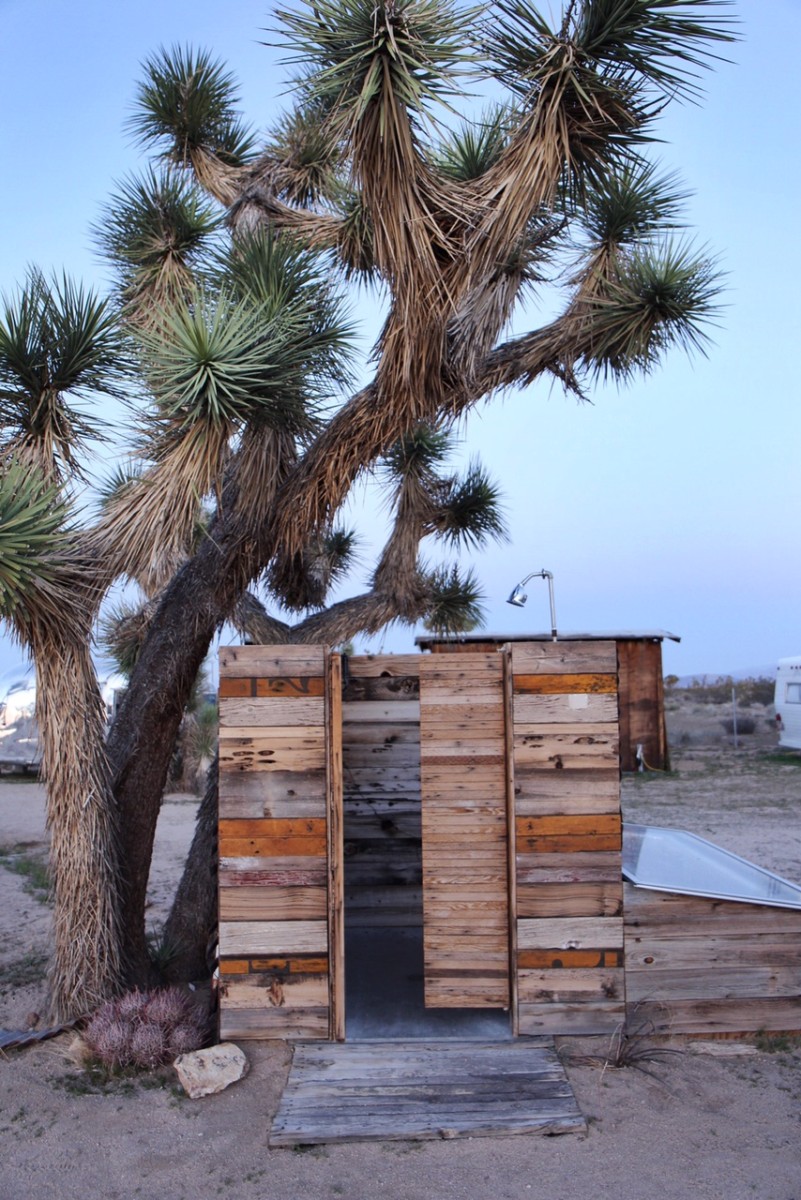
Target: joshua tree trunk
<point>193,917</point>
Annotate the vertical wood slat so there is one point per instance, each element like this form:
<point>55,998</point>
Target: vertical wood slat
<point>509,748</point>
<point>336,853</point>
<point>466,941</point>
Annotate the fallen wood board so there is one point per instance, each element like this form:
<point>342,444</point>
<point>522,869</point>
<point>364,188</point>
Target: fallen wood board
<point>366,1091</point>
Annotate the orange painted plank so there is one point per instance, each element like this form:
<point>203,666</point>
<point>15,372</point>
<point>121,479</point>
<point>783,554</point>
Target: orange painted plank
<point>273,847</point>
<point>299,686</point>
<point>234,966</point>
<point>559,685</point>
<point>565,844</point>
<point>272,827</point>
<point>546,960</point>
<point>573,824</point>
<point>294,966</point>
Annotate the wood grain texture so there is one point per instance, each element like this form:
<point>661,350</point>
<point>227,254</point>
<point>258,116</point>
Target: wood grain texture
<point>564,658</point>
<point>271,991</point>
<point>255,794</point>
<point>260,1023</point>
<point>281,711</point>
<point>256,901</point>
<point>299,686</point>
<point>246,939</point>
<point>562,684</point>
<point>547,899</point>
<point>577,933</point>
<point>578,709</point>
<point>335,847</point>
<point>712,966</point>
<point>271,661</point>
<point>466,942</point>
<point>418,1090</point>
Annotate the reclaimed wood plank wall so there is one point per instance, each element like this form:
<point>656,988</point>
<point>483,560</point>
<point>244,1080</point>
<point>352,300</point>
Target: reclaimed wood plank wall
<point>569,892</point>
<point>714,967</point>
<point>275,851</point>
<point>642,704</point>
<point>463,763</point>
<point>381,781</point>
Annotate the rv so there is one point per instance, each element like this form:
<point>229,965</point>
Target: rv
<point>787,702</point>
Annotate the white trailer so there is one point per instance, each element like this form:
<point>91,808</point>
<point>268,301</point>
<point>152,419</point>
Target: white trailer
<point>787,701</point>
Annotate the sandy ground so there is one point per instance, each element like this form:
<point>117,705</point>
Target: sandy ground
<point>719,1121</point>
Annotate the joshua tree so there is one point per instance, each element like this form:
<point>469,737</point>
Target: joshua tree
<point>230,327</point>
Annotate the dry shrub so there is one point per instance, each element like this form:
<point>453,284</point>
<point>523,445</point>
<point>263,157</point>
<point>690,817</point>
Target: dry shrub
<point>744,725</point>
<point>145,1029</point>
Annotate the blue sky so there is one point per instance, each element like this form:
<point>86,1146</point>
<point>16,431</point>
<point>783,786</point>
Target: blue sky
<point>670,504</point>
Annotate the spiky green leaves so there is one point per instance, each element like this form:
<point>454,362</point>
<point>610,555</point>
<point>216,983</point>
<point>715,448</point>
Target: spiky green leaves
<point>259,348</point>
<point>186,104</point>
<point>396,52</point>
<point>56,340</point>
<point>662,41</point>
<point>307,161</point>
<point>633,44</point>
<point>631,203</point>
<point>31,529</point>
<point>661,296</point>
<point>418,453</point>
<point>214,362</point>
<point>455,602</point>
<point>471,512</point>
<point>155,230</point>
<point>470,151</point>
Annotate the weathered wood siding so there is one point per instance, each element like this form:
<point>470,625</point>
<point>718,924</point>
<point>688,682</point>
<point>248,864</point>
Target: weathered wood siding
<point>280,915</point>
<point>703,966</point>
<point>381,776</point>
<point>642,704</point>
<point>463,765</point>
<point>569,936</point>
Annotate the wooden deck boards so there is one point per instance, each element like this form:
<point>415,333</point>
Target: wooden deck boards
<point>360,1091</point>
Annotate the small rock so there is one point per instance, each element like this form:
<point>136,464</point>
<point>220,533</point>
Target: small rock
<point>32,1020</point>
<point>204,1072</point>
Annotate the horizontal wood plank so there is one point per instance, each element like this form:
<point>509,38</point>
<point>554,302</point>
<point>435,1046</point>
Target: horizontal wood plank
<point>578,709</point>
<point>269,991</point>
<point>300,964</point>
<point>564,658</point>
<point>260,1023</point>
<point>271,903</point>
<point>562,684</point>
<point>552,960</point>
<point>570,899</point>
<point>266,661</point>
<point>576,933</point>
<point>239,939</point>
<point>571,986</point>
<point>298,686</point>
<point>283,712</point>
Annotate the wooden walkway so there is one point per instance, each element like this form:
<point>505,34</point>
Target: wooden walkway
<point>358,1091</point>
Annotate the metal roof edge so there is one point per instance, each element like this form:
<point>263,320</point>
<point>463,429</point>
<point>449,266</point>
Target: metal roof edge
<point>639,635</point>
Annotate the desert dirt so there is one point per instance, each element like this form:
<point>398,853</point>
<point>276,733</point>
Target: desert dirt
<point>713,1121</point>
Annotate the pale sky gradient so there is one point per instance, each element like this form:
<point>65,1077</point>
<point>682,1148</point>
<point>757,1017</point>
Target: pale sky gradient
<point>671,504</point>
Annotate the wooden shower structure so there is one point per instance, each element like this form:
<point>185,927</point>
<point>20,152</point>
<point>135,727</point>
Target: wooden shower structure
<point>474,793</point>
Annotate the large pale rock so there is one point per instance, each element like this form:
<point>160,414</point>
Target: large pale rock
<point>204,1072</point>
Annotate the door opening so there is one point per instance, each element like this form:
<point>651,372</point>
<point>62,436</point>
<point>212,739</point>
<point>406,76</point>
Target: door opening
<point>383,865</point>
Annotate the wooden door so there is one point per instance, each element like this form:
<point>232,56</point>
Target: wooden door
<point>463,770</point>
<point>569,888</point>
<point>280,833</point>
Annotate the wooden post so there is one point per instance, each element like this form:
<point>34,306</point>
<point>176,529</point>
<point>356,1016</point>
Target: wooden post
<point>336,881</point>
<point>511,843</point>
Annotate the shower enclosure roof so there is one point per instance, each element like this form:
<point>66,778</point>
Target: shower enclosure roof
<point>673,860</point>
